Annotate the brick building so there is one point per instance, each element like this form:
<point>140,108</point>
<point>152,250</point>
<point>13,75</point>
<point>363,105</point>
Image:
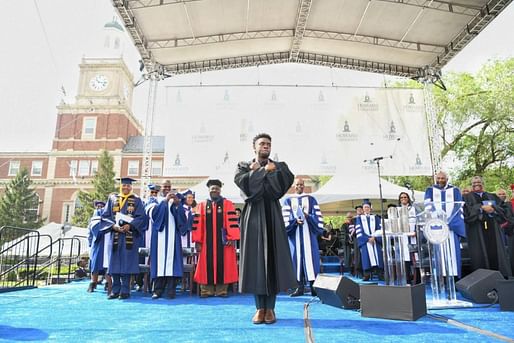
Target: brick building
<point>100,118</point>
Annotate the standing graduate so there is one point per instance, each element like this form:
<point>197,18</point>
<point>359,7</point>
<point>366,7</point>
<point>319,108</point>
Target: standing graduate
<point>127,212</point>
<point>166,263</point>
<point>100,244</point>
<point>370,245</point>
<point>188,203</point>
<point>266,267</point>
<point>483,215</point>
<point>304,223</point>
<point>446,197</point>
<point>215,231</point>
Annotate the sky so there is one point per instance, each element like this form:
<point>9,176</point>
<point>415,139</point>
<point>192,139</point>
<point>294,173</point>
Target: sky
<point>43,41</point>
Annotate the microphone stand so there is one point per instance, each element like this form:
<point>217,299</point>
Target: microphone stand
<point>382,220</point>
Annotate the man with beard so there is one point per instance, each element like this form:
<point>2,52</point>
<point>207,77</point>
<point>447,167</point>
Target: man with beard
<point>265,266</point>
<point>447,198</point>
<point>215,233</point>
<point>482,214</point>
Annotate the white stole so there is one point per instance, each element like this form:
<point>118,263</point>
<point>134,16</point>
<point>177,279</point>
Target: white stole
<point>165,255</point>
<point>303,202</point>
<point>369,230</point>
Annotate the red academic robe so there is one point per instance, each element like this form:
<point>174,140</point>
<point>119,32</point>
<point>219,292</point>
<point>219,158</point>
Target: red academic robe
<point>216,223</point>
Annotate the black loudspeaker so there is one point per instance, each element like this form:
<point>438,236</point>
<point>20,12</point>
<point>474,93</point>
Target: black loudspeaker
<point>505,289</point>
<point>393,302</point>
<point>338,291</point>
<point>478,284</point>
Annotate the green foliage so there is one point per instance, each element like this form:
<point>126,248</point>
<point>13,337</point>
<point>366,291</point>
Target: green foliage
<point>19,204</point>
<point>104,185</point>
<point>419,183</point>
<point>476,116</point>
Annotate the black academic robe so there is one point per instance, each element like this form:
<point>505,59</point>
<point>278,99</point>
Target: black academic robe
<point>486,241</point>
<point>507,226</point>
<point>265,260</point>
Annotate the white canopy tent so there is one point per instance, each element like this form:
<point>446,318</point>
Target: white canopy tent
<point>343,192</point>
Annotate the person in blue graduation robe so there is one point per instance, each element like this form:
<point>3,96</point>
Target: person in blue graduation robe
<point>99,239</point>
<point>127,212</point>
<point>304,223</point>
<point>370,246</point>
<point>443,196</point>
<point>166,264</point>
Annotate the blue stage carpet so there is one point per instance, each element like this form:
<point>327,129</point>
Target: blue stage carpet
<point>67,313</point>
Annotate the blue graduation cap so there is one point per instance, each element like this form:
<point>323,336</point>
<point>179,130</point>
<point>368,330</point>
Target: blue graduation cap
<point>126,180</point>
<point>153,187</point>
<point>186,193</point>
<point>366,202</point>
<point>98,203</point>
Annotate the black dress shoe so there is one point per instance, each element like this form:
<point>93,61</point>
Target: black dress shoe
<point>172,294</point>
<point>124,296</point>
<point>92,287</point>
<point>366,277</point>
<point>297,292</point>
<point>113,296</point>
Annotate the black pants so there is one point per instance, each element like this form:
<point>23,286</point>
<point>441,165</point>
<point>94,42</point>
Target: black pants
<point>161,282</point>
<point>263,301</point>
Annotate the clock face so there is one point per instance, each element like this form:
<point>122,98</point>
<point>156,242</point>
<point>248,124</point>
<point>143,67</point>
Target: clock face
<point>99,83</point>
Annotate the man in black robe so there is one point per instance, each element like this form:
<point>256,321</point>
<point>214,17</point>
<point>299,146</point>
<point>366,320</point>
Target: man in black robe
<point>266,266</point>
<point>507,224</point>
<point>482,215</point>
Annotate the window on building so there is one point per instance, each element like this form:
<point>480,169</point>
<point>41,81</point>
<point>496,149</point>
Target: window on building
<point>32,212</point>
<point>67,209</point>
<point>94,167</point>
<point>37,168</point>
<point>84,168</point>
<point>89,127</point>
<point>14,168</point>
<point>73,167</point>
<point>117,43</point>
<point>133,168</point>
<point>156,168</point>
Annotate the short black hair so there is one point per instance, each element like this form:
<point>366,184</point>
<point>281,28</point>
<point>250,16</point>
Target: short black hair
<point>261,135</point>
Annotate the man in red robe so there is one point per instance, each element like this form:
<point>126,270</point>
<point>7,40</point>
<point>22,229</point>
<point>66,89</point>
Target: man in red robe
<point>214,232</point>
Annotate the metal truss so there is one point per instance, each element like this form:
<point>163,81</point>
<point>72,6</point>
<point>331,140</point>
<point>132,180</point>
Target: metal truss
<point>434,134</point>
<point>301,22</point>
<point>283,57</point>
<point>350,37</point>
<point>472,29</point>
<point>228,37</point>
<point>133,28</point>
<point>436,5</point>
<point>137,4</point>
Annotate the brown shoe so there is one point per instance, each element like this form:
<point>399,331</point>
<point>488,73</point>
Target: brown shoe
<point>258,318</point>
<point>269,317</point>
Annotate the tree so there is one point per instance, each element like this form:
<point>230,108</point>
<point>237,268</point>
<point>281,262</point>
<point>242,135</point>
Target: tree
<point>475,116</point>
<point>103,183</point>
<point>20,202</point>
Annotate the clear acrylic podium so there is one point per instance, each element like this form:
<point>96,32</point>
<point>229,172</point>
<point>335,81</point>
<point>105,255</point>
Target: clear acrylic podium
<point>396,248</point>
<point>433,222</point>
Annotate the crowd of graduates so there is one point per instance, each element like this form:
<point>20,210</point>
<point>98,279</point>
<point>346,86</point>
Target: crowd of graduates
<point>127,233</point>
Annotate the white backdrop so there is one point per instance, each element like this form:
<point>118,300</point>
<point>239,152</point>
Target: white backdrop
<point>316,130</point>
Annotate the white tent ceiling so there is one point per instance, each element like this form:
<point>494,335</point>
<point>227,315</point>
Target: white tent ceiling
<point>342,193</point>
<point>398,37</point>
